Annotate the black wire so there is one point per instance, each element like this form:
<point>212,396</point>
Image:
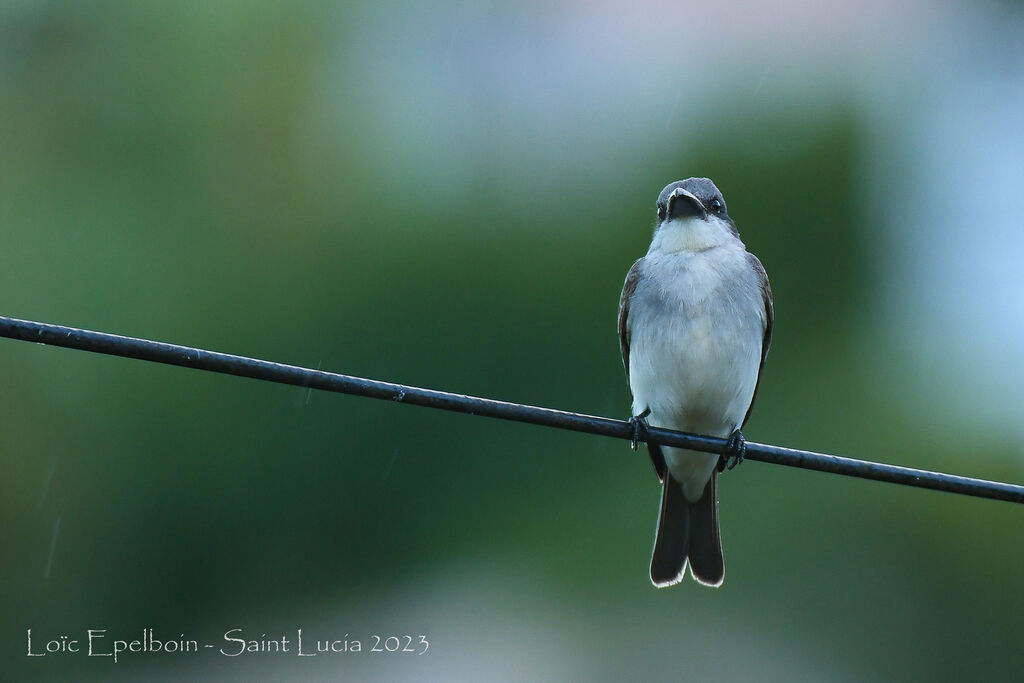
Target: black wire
<point>199,359</point>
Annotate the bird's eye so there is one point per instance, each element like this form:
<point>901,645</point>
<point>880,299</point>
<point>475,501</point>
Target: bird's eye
<point>661,211</point>
<point>716,205</point>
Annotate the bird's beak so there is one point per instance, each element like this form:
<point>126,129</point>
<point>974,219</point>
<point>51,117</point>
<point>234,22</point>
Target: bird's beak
<point>682,204</point>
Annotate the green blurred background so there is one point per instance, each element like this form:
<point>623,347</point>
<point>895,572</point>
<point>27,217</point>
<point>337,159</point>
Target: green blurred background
<point>449,195</point>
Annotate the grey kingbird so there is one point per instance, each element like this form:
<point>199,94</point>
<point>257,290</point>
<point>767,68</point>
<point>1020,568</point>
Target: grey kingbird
<point>695,323</point>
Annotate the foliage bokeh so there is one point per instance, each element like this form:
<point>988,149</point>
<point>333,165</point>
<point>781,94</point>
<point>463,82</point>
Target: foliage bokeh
<point>226,176</point>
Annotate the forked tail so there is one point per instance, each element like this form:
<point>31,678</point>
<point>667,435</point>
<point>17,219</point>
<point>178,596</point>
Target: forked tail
<point>687,535</point>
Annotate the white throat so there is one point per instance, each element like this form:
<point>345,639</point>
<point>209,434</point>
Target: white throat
<point>691,234</point>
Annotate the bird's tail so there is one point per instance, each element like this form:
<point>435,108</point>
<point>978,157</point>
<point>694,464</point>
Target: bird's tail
<point>688,534</point>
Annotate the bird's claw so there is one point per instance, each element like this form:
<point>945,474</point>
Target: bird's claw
<point>640,425</point>
<point>734,453</point>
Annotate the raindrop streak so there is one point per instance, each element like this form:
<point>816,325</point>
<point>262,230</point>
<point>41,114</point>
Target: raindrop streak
<point>309,390</point>
<point>450,52</point>
<point>53,546</point>
<point>46,484</point>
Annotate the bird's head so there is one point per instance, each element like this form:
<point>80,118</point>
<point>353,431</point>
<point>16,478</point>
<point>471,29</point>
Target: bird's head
<point>692,216</point>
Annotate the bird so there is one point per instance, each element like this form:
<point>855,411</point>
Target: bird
<point>695,324</point>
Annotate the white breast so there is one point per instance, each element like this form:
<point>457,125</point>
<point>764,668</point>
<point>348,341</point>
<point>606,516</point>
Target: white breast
<point>696,326</point>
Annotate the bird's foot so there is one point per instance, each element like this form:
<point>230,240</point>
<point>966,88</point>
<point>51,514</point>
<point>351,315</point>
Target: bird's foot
<point>735,451</point>
<point>640,425</point>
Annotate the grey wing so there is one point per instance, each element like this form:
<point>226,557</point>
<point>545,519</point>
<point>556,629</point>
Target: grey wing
<point>769,321</point>
<point>627,293</point>
<point>653,449</point>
